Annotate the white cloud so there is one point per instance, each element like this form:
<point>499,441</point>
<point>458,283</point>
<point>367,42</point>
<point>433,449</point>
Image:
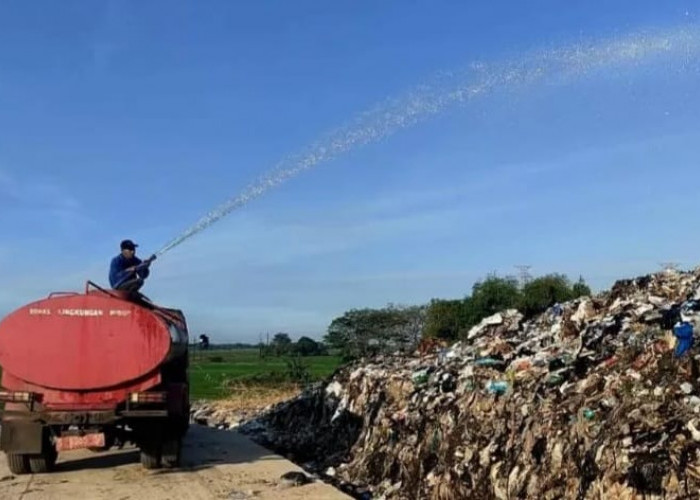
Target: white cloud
<point>41,198</point>
<point>249,273</point>
<point>43,203</point>
<point>251,241</point>
<point>40,194</point>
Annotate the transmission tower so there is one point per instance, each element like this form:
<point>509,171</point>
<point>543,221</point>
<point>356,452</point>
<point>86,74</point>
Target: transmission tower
<point>669,266</point>
<point>524,273</point>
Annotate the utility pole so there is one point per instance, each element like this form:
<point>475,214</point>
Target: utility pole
<point>524,274</point>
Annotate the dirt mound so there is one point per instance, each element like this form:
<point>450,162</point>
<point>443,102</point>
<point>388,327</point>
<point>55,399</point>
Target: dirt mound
<point>591,399</point>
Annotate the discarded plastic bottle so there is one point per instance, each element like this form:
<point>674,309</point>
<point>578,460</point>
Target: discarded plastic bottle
<point>420,377</point>
<point>497,387</point>
<point>555,379</point>
<point>488,362</point>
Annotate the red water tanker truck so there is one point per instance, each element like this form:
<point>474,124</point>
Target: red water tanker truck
<point>93,370</point>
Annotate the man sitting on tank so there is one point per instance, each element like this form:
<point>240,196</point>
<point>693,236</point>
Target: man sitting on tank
<point>127,272</point>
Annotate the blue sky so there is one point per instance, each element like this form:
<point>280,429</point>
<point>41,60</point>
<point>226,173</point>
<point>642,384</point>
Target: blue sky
<point>133,119</point>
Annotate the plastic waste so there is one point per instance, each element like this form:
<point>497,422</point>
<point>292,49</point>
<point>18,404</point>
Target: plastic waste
<point>488,362</point>
<point>684,333</point>
<point>592,409</point>
<point>420,377</point>
<point>497,387</point>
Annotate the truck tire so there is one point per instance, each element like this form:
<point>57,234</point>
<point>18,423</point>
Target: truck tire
<point>40,464</point>
<point>151,455</point>
<point>18,463</point>
<point>150,442</point>
<point>172,449</point>
<point>149,460</point>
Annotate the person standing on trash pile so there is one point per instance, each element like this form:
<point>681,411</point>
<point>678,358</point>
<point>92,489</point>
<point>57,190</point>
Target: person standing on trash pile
<point>557,310</point>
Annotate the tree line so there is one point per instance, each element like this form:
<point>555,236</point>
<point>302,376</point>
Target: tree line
<point>282,345</point>
<point>366,332</point>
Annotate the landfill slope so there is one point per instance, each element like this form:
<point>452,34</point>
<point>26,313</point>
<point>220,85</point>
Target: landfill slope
<point>587,400</point>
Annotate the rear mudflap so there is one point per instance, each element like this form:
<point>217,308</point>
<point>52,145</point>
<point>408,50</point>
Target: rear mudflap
<point>21,436</point>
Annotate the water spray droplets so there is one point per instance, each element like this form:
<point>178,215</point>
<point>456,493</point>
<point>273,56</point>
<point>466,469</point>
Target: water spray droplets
<point>458,88</point>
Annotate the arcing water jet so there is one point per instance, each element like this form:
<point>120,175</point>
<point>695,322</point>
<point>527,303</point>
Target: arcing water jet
<point>564,64</point>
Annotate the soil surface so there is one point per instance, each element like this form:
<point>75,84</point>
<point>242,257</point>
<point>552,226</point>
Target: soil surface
<point>216,464</point>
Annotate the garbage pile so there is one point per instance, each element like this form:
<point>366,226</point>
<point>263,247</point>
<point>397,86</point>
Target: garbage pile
<point>594,398</point>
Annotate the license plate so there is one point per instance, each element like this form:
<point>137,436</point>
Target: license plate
<point>92,440</point>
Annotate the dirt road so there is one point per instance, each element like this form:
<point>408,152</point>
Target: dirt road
<point>215,465</point>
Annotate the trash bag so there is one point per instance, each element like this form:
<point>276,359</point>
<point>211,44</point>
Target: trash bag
<point>684,333</point>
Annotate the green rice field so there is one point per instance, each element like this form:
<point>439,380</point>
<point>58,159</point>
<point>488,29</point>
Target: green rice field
<point>213,372</point>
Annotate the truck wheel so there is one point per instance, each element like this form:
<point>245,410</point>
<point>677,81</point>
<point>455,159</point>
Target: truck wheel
<point>150,457</point>
<point>149,460</point>
<point>172,449</point>
<point>40,464</point>
<point>18,463</point>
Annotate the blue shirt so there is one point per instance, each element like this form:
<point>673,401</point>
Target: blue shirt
<point>117,273</point>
